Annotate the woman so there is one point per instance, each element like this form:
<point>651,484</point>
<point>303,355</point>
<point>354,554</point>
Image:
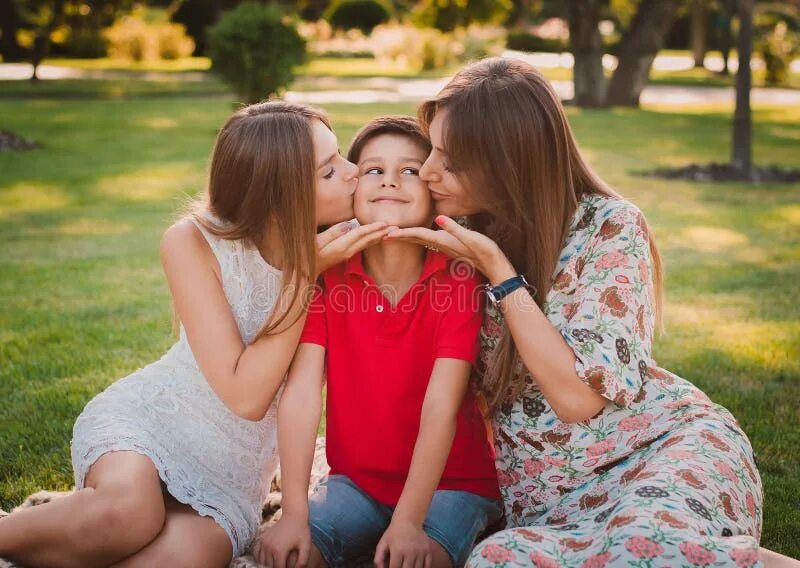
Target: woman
<point>173,462</point>
<point>602,456</point>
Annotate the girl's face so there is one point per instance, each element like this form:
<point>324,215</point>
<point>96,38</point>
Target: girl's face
<point>389,186</point>
<point>451,197</point>
<point>335,177</point>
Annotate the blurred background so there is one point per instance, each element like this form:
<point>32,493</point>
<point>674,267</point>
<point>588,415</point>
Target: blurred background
<point>109,108</point>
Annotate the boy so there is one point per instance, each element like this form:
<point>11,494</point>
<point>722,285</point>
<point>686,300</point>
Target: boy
<point>412,472</point>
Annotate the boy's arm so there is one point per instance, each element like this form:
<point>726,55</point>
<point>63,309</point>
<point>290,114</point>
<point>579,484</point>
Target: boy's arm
<point>443,398</point>
<point>299,414</point>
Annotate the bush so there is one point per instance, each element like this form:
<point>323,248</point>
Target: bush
<point>254,48</point>
<point>447,15</point>
<point>414,48</point>
<point>359,14</point>
<point>85,44</point>
<point>477,42</point>
<point>133,37</point>
<point>778,48</point>
<point>524,41</point>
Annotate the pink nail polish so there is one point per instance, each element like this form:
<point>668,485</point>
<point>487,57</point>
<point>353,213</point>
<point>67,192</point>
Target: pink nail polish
<point>440,220</point>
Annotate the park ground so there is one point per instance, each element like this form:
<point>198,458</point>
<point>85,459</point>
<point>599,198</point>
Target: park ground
<point>85,302</point>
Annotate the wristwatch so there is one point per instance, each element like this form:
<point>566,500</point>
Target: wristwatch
<point>497,293</point>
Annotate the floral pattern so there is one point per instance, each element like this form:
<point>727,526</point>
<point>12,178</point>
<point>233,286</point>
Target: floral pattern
<point>662,476</point>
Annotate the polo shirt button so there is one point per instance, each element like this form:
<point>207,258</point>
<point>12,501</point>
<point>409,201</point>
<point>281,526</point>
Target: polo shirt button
<point>379,309</point>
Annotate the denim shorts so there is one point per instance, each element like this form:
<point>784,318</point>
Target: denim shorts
<point>346,523</point>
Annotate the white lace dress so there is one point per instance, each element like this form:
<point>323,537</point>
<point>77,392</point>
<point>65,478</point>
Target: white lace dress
<point>207,457</point>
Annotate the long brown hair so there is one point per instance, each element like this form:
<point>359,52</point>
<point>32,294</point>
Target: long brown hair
<point>509,142</point>
<point>262,179</point>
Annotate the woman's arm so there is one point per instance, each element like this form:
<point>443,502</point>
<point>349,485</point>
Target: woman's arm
<point>541,347</point>
<point>245,377</point>
<point>443,398</point>
<point>545,353</point>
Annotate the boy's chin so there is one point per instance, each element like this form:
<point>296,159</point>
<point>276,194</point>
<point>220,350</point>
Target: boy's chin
<point>395,220</point>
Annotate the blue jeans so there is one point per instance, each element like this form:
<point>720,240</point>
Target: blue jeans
<point>346,523</point>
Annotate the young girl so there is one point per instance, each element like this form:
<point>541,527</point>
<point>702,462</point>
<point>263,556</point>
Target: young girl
<point>172,462</point>
<point>411,467</point>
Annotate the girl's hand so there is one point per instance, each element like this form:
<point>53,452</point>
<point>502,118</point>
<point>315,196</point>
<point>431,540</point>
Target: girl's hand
<point>343,240</point>
<point>459,242</point>
<point>406,545</point>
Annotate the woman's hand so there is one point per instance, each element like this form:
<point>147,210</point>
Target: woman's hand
<point>459,242</point>
<point>343,240</point>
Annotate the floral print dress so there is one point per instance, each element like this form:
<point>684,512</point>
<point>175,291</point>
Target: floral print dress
<point>662,476</point>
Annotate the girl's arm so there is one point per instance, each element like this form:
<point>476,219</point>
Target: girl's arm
<point>245,377</point>
<point>299,415</point>
<point>445,393</point>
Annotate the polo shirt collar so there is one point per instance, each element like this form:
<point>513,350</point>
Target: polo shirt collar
<point>434,262</point>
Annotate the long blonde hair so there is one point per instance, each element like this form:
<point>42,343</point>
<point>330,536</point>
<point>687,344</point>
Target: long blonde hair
<point>262,178</point>
<point>509,142</point>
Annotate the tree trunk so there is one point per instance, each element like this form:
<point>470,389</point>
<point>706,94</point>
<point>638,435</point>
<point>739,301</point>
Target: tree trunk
<point>699,31</point>
<point>41,43</point>
<point>586,45</point>
<point>9,24</point>
<point>638,49</point>
<point>741,154</point>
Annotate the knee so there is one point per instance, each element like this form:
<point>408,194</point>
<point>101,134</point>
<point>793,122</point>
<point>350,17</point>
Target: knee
<point>118,523</point>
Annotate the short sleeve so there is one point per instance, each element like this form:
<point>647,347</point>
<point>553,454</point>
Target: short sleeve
<point>611,314</point>
<point>316,326</point>
<point>461,322</point>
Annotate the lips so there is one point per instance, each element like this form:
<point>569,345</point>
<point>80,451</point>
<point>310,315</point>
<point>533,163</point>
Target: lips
<point>388,200</point>
<point>438,196</point>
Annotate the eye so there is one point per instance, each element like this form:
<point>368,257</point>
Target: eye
<point>329,175</point>
<point>410,171</point>
<point>375,171</point>
<point>447,167</point>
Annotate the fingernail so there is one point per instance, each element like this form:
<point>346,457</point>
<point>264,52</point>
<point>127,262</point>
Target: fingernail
<point>440,220</point>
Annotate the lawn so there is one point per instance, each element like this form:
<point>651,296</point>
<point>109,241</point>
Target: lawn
<point>84,300</point>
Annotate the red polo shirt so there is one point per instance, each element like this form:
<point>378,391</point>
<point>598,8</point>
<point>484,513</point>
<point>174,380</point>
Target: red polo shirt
<point>379,360</point>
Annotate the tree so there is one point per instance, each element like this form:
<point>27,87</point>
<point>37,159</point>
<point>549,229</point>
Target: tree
<point>698,21</point>
<point>44,16</point>
<point>586,45</point>
<point>741,148</point>
<point>637,50</point>
<point>10,48</point>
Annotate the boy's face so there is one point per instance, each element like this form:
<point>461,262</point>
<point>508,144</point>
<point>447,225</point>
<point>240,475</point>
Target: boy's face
<point>389,187</point>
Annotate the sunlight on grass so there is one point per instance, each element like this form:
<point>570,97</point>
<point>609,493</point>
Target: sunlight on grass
<point>709,239</point>
<point>159,122</point>
<point>85,227</point>
<point>30,196</point>
<point>150,184</point>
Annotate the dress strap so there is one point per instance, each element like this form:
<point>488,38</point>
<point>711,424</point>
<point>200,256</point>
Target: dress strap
<point>218,244</point>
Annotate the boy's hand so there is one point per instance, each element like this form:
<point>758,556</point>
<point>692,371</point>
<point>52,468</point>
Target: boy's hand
<point>406,545</point>
<point>276,545</point>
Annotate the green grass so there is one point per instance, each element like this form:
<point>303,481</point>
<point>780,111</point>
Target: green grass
<point>84,300</point>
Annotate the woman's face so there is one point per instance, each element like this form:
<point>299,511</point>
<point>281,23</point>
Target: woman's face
<point>389,186</point>
<point>335,177</point>
<point>451,197</point>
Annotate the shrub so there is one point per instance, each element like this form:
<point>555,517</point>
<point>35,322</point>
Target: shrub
<point>133,37</point>
<point>524,41</point>
<point>255,48</point>
<point>86,43</point>
<point>412,47</point>
<point>359,14</point>
<point>778,48</point>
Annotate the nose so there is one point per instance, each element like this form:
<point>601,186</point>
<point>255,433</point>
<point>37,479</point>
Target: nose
<point>428,173</point>
<point>350,170</point>
<point>389,179</point>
